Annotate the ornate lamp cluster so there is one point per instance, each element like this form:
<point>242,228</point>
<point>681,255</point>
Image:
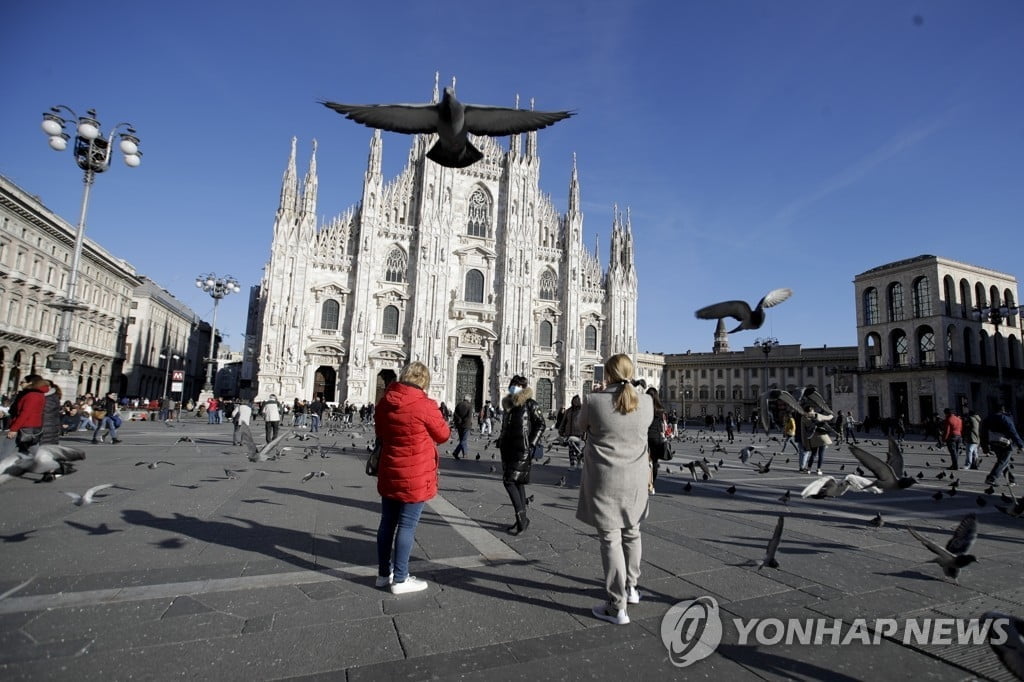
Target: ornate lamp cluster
<point>92,154</point>
<point>217,288</point>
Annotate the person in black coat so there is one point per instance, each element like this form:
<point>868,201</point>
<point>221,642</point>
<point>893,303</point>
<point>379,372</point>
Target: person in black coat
<point>463,418</point>
<point>520,432</point>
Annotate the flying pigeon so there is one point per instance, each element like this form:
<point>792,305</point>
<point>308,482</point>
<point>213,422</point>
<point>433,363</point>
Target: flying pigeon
<point>764,467</point>
<point>740,310</point>
<point>954,555</point>
<point>452,121</point>
<point>87,498</point>
<point>886,477</point>
<point>1011,650</point>
<point>256,454</point>
<point>154,465</point>
<point>773,546</point>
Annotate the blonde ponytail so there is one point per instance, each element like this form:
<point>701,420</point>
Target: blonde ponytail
<point>619,369</point>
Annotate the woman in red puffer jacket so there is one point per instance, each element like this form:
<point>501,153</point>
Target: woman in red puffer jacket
<point>409,426</point>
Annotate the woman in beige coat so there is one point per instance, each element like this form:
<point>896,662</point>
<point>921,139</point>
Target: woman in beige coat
<point>613,489</point>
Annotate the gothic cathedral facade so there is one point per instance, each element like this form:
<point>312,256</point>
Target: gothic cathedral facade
<point>471,271</point>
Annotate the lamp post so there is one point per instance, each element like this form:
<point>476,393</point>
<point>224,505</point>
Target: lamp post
<point>167,371</point>
<point>766,344</point>
<point>92,154</point>
<point>217,288</point>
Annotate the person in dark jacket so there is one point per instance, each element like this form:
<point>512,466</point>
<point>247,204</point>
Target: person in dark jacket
<point>998,436</point>
<point>463,418</point>
<point>409,426</point>
<point>51,416</point>
<point>109,405</point>
<point>656,443</point>
<point>520,432</point>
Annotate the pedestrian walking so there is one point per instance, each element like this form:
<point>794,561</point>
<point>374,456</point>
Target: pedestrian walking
<point>520,432</point>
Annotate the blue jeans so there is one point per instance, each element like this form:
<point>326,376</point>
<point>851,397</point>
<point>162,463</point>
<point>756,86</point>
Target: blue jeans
<point>463,443</point>
<point>108,424</point>
<point>314,423</point>
<point>401,517</point>
<point>953,446</point>
<point>211,416</point>
<point>1002,453</point>
<point>810,454</point>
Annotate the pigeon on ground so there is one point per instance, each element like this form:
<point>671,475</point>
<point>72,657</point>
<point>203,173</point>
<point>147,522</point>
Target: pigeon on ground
<point>1017,510</point>
<point>154,465</point>
<point>785,498</point>
<point>731,490</point>
<point>1010,649</point>
<point>317,474</point>
<point>561,482</point>
<point>773,546</point>
<point>954,555</point>
<point>688,487</point>
<point>304,436</point>
<point>826,486</point>
<point>233,474</point>
<point>746,452</point>
<point>87,498</point>
<point>184,439</point>
<point>886,477</point>
<point>452,121</point>
<point>740,310</point>
<point>877,521</point>
<point>44,459</point>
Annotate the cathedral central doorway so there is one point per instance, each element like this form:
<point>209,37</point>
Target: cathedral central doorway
<point>469,380</point>
<point>384,377</point>
<point>325,382</point>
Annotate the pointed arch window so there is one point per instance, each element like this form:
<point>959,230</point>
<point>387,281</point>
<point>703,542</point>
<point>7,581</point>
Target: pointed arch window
<point>389,321</point>
<point>590,338</point>
<point>546,332</point>
<point>474,286</point>
<point>396,266</point>
<point>922,297</point>
<point>478,222</point>
<point>329,314</point>
<point>548,286</point>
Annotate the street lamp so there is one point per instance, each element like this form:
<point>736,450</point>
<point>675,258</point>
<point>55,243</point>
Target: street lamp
<point>996,316</point>
<point>217,288</point>
<point>766,345</point>
<point>167,371</point>
<point>92,154</point>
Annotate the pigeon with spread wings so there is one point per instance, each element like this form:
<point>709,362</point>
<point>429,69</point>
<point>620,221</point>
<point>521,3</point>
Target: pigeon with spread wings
<point>452,121</point>
<point>954,555</point>
<point>886,476</point>
<point>749,318</point>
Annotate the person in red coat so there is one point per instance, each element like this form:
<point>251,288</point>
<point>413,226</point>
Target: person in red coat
<point>409,426</point>
<point>27,426</point>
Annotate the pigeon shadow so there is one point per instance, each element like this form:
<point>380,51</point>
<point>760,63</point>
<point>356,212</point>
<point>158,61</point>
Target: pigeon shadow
<point>909,574</point>
<point>285,544</point>
<point>781,666</point>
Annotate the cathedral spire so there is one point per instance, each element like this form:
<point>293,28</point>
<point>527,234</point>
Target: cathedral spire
<point>574,188</point>
<point>309,188</point>
<point>289,184</point>
<point>373,164</point>
<point>515,147</point>
<point>531,141</point>
<point>437,92</point>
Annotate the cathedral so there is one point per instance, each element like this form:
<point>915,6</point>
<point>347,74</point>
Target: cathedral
<point>471,271</point>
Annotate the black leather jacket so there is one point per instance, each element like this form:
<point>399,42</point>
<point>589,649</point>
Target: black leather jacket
<point>521,430</point>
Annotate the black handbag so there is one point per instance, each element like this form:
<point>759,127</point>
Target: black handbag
<point>373,462</point>
<point>667,452</point>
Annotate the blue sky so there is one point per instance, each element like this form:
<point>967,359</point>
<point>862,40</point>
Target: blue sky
<point>757,144</point>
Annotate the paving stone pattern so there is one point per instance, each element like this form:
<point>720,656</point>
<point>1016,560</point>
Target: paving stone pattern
<point>186,572</point>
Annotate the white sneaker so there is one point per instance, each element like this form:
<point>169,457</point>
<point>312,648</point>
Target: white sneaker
<point>384,580</point>
<point>633,596</point>
<point>411,584</point>
<point>819,472</point>
<point>604,613</point>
